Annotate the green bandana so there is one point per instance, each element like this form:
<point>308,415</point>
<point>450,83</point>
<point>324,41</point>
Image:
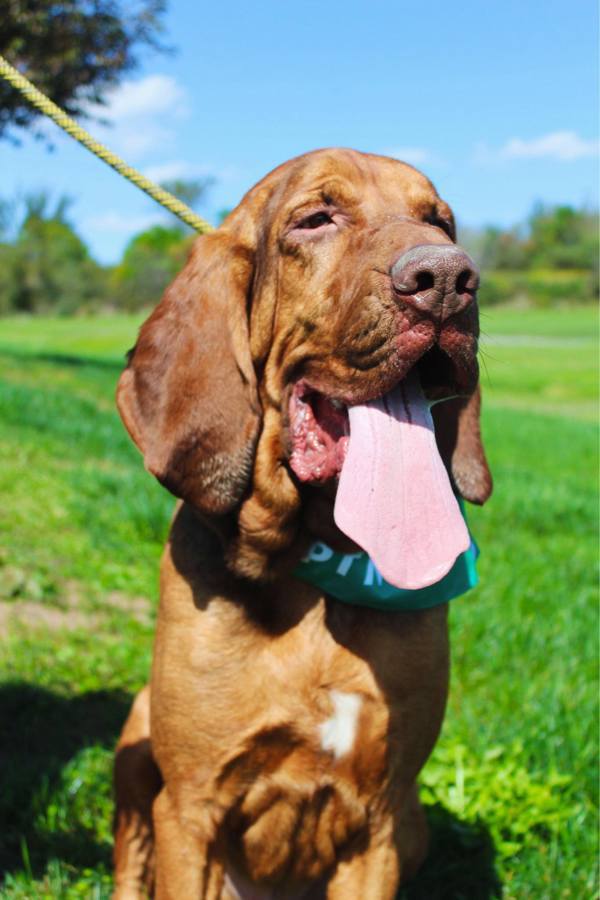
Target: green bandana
<point>353,578</point>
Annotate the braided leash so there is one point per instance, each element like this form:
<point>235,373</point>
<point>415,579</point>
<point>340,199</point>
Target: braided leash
<point>54,112</point>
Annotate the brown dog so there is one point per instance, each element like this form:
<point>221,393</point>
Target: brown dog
<point>278,753</point>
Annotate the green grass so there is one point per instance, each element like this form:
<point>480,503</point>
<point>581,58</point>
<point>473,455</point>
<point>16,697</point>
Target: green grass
<point>564,322</point>
<point>95,337</point>
<point>512,784</point>
<point>541,361</point>
<point>545,379</point>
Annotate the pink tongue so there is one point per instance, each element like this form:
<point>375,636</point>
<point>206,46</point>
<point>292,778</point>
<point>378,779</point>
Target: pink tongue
<point>394,497</point>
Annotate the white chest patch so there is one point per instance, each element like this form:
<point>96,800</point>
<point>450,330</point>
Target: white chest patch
<point>339,731</point>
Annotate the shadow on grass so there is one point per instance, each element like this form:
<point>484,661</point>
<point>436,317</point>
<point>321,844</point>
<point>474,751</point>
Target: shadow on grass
<point>42,731</point>
<point>460,864</point>
<point>113,363</point>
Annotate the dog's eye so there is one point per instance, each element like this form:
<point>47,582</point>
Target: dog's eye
<point>444,224</point>
<point>316,220</point>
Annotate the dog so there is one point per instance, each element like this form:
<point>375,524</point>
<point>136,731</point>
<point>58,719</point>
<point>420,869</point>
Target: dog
<point>276,750</point>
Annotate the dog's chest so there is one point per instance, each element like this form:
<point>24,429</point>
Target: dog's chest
<point>338,733</point>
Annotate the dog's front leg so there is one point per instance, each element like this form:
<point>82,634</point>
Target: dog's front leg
<point>187,865</point>
<point>137,782</point>
<point>371,874</point>
<point>393,855</point>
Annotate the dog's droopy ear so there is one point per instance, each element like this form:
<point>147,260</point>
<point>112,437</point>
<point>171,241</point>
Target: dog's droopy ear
<point>458,435</point>
<point>188,395</point>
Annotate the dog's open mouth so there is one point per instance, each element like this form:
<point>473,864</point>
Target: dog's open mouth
<point>319,425</point>
<point>394,497</point>
<point>319,431</point>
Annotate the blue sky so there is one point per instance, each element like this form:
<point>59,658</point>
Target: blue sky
<point>496,102</point>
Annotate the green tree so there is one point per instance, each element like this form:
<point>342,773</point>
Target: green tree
<point>73,50</point>
<point>502,249</point>
<point>150,261</point>
<point>47,268</point>
<point>153,258</point>
<point>563,238</point>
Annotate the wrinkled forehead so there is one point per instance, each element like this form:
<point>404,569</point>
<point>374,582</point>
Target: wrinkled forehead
<point>353,180</point>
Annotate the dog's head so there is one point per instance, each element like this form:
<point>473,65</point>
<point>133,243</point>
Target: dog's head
<point>334,277</point>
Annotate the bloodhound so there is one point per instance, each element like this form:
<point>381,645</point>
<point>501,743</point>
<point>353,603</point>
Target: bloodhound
<point>275,752</point>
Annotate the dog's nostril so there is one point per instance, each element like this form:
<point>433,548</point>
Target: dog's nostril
<point>465,282</point>
<point>425,281</point>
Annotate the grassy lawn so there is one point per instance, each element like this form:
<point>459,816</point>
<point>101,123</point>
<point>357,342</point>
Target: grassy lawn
<point>568,321</point>
<point>512,784</point>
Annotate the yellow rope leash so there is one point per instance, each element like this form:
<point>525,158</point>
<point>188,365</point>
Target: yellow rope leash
<point>45,105</point>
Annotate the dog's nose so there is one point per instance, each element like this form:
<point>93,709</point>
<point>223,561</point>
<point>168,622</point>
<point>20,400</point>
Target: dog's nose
<point>438,280</point>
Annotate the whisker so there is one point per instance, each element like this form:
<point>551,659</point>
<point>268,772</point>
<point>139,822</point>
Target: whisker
<point>486,370</point>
